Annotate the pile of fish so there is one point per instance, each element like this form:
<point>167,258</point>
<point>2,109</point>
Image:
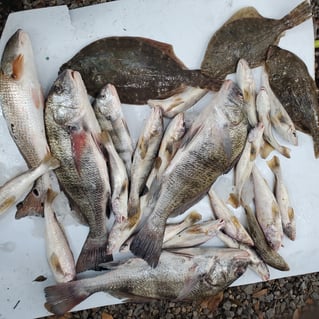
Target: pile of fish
<point>125,193</point>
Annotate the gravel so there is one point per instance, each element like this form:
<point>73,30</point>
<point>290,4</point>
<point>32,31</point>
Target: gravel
<point>286,298</point>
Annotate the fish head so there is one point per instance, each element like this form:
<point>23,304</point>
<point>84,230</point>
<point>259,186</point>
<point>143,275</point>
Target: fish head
<point>155,122</point>
<point>17,59</point>
<point>225,267</point>
<point>66,96</point>
<point>180,126</point>
<point>105,102</point>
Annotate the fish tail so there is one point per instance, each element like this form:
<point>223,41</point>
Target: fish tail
<point>93,253</point>
<point>50,162</point>
<point>298,15</point>
<point>63,297</point>
<point>147,244</point>
<point>196,78</point>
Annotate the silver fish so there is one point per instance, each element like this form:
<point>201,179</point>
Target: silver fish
<point>267,210</point>
<point>201,272</point>
<point>108,111</point>
<point>246,82</point>
<point>15,188</point>
<point>59,254</point>
<point>179,102</point>
<point>73,133</point>
<point>22,106</point>
<point>233,226</point>
<point>210,148</point>
<point>281,192</point>
<point>263,110</point>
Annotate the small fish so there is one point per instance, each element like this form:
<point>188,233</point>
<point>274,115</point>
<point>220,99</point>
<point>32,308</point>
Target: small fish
<point>119,180</point>
<point>108,110</point>
<point>210,148</point>
<point>22,105</point>
<point>144,156</point>
<point>295,89</point>
<point>59,255</point>
<point>195,235</point>
<point>248,35</point>
<point>139,68</point>
<point>246,82</point>
<point>279,117</point>
<point>281,192</point>
<point>179,102</point>
<point>73,135</point>
<point>267,210</point>
<point>245,164</point>
<point>15,188</point>
<point>269,255</point>
<point>233,226</point>
<point>201,272</point>
<point>256,263</point>
<point>171,140</point>
<point>263,110</point>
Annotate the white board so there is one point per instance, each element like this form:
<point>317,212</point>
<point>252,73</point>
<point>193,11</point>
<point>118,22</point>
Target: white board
<point>57,34</point>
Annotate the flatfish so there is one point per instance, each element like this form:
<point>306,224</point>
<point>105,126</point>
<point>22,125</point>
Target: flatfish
<point>139,68</point>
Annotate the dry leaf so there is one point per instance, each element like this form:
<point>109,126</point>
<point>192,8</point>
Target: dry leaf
<point>106,316</point>
<point>212,303</point>
<point>260,293</point>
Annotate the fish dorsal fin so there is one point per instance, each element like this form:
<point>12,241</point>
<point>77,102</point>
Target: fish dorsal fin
<point>247,12</point>
<point>167,49</point>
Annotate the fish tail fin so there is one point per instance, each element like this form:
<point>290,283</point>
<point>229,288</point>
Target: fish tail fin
<point>147,244</point>
<point>198,79</point>
<point>93,253</point>
<point>50,162</point>
<point>298,15</point>
<point>63,297</point>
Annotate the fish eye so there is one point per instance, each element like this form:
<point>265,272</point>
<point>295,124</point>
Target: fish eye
<point>58,89</point>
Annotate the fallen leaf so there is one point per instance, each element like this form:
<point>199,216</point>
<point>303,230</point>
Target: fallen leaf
<point>260,293</point>
<point>212,303</point>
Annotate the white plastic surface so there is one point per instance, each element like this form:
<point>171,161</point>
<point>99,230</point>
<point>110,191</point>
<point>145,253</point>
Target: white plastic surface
<point>56,35</point>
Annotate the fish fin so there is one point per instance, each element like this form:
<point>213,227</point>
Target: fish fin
<point>274,163</point>
<point>50,161</point>
<point>78,143</point>
<point>247,12</point>
<point>190,135</point>
<point>127,297</point>
<point>194,217</point>
<point>7,203</point>
<point>93,253</point>
<point>233,200</point>
<point>299,14</point>
<point>18,67</point>
<point>32,205</point>
<point>37,98</point>
<point>266,149</point>
<point>189,283</point>
<point>148,242</point>
<point>51,195</point>
<point>63,297</point>
<point>253,152</point>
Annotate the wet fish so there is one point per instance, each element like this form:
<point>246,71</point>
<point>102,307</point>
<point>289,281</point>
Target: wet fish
<point>195,235</point>
<point>201,272</point>
<point>295,89</point>
<point>15,188</point>
<point>267,210</point>
<point>210,148</point>
<point>279,117</point>
<point>248,35</point>
<point>22,106</point>
<point>246,82</point>
<point>139,68</point>
<point>269,255</point>
<point>119,180</point>
<point>59,254</point>
<point>73,131</point>
<point>144,156</point>
<point>245,164</point>
<point>263,110</point>
<point>233,226</point>
<point>256,263</point>
<point>281,192</point>
<point>108,110</point>
<point>179,102</point>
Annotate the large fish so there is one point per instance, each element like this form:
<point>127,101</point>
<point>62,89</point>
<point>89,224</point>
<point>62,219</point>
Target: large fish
<point>210,148</point>
<point>22,106</point>
<point>139,68</point>
<point>247,35</point>
<point>201,272</point>
<point>73,131</point>
<point>296,90</point>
